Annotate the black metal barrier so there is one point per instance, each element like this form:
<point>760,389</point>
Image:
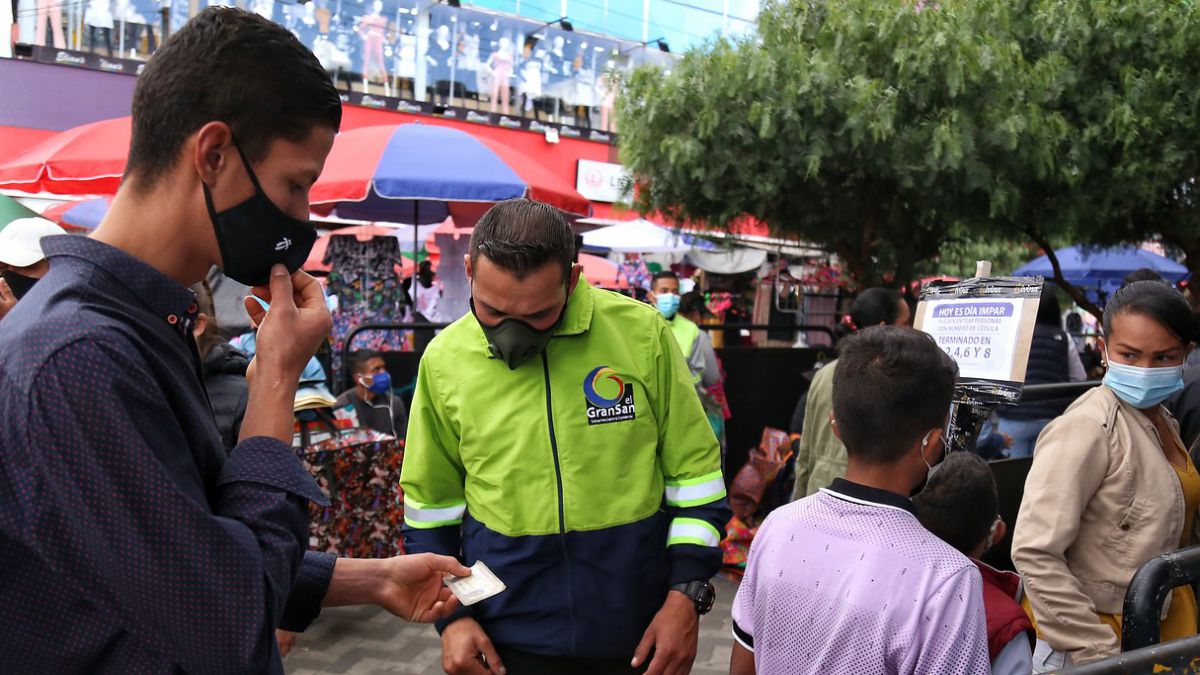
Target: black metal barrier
<point>1178,657</point>
<point>1142,613</point>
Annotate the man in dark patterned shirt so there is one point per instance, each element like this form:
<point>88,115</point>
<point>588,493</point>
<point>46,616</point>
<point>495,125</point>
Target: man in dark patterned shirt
<point>129,542</point>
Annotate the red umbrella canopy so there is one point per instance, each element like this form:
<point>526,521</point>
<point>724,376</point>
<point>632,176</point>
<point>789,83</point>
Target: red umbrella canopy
<point>419,173</point>
<point>601,271</point>
<point>86,160</point>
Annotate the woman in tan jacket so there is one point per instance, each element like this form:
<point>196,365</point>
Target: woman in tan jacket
<point>1111,487</point>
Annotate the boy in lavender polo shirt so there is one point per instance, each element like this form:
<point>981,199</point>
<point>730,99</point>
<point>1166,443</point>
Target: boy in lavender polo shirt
<point>847,580</point>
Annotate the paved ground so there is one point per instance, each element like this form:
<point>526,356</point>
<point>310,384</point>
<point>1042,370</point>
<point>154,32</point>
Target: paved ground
<point>365,641</point>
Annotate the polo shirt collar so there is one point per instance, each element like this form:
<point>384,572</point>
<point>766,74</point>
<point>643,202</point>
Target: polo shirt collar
<point>851,491</point>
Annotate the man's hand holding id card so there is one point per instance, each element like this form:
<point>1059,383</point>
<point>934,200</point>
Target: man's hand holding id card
<point>481,585</point>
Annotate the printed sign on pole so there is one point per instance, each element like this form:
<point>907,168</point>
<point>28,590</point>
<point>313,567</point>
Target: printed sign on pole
<point>986,326</point>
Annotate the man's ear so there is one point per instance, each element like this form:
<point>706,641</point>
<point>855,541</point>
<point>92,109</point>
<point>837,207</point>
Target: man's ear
<point>209,149</point>
<point>470,268</point>
<point>576,270</point>
<point>833,423</point>
<point>201,325</point>
<point>1001,532</point>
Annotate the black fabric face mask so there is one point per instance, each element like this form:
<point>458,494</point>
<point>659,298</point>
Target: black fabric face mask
<point>515,342</point>
<point>256,235</point>
<point>19,283</point>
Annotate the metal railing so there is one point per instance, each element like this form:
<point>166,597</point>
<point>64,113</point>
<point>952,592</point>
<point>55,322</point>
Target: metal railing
<point>1141,621</point>
<point>1141,617</point>
<point>1178,657</point>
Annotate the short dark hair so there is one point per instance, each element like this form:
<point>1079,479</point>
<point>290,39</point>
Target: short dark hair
<point>871,308</point>
<point>362,358</point>
<point>693,302</point>
<point>233,66</point>
<point>659,276</point>
<point>1143,274</point>
<point>1156,300</point>
<point>960,502</point>
<point>891,385</point>
<point>521,235</point>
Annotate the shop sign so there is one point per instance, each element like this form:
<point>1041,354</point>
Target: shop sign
<point>601,181</point>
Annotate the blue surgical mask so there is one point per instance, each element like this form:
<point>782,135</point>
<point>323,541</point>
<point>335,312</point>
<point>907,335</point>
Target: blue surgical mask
<point>667,303</point>
<point>1143,388</point>
<point>381,384</point>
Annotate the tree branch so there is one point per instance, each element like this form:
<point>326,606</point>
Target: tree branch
<point>1075,292</point>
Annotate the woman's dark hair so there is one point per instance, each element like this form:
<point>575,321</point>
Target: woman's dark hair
<point>1156,300</point>
<point>1144,274</point>
<point>1049,311</point>
<point>233,66</point>
<point>890,387</point>
<point>872,307</point>
<point>521,235</point>
<point>960,502</point>
<point>693,302</point>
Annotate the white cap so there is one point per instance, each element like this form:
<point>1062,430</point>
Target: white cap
<point>21,241</point>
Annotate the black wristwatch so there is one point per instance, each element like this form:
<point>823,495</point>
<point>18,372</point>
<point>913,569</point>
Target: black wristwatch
<point>703,593</point>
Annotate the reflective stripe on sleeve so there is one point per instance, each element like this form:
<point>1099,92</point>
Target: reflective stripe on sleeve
<point>696,491</point>
<point>692,531</point>
<point>428,516</point>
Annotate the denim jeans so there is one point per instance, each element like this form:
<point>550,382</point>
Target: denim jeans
<point>1024,434</point>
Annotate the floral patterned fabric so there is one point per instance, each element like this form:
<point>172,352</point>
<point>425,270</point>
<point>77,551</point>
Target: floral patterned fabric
<point>360,471</point>
<point>368,290</point>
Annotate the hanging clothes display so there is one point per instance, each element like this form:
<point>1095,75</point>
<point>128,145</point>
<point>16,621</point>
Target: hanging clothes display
<point>360,471</point>
<point>364,279</point>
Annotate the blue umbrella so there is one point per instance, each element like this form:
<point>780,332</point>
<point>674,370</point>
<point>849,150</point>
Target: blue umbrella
<point>1103,269</point>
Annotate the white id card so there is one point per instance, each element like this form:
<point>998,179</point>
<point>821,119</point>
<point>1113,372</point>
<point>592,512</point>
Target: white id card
<point>481,585</point>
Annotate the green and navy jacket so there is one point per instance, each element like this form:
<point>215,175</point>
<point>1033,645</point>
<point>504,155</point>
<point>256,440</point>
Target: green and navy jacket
<point>588,479</point>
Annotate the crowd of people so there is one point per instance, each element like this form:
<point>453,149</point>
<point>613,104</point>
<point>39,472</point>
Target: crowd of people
<point>154,514</point>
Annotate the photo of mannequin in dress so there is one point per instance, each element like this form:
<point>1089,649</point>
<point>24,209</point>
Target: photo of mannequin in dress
<point>99,19</point>
<point>530,85</point>
<point>372,28</point>
<point>583,94</point>
<point>49,10</point>
<point>500,64</point>
<point>606,92</point>
<point>438,57</point>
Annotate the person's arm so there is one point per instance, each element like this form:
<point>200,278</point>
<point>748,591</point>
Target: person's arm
<point>742,661</point>
<point>1015,659</point>
<point>711,373</point>
<point>814,415</point>
<point>1048,525</point>
<point>743,615</point>
<point>691,465</point>
<point>433,476</point>
<point>1075,370</point>
<point>196,570</point>
<point>695,498</point>
<point>399,417</point>
<point>952,634</point>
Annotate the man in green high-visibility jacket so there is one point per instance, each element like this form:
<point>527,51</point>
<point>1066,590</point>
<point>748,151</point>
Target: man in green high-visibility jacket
<point>556,436</point>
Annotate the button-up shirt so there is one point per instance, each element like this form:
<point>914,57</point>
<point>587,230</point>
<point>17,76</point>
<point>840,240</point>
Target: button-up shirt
<point>129,542</point>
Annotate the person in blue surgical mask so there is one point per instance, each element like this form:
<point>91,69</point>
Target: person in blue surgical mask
<point>1111,487</point>
<point>375,405</point>
<point>695,344</point>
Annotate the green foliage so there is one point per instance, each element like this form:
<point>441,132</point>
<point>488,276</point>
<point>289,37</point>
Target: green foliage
<point>884,132</point>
